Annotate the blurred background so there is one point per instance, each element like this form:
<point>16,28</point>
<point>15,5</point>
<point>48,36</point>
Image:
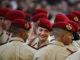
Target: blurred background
<point>52,6</point>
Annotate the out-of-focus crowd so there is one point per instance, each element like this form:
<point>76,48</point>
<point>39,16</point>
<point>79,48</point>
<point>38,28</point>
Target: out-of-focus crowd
<point>52,6</point>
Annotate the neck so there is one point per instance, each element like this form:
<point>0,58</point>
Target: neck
<point>40,42</point>
<point>59,39</point>
<point>17,36</point>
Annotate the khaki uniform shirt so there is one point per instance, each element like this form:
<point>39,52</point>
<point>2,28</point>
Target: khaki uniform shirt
<point>74,46</point>
<point>16,49</point>
<point>4,37</point>
<point>54,51</point>
<point>78,41</point>
<point>36,42</point>
<point>75,56</point>
<point>51,38</point>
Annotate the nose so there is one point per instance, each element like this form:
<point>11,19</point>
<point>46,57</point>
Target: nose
<point>42,33</point>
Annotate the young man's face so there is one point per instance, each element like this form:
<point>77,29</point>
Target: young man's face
<point>2,22</point>
<point>5,23</point>
<point>67,38</point>
<point>43,33</point>
<point>8,24</point>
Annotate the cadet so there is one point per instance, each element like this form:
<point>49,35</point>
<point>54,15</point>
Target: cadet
<point>16,49</point>
<point>43,31</point>
<point>3,33</point>
<point>10,16</point>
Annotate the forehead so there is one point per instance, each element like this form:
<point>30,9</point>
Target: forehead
<point>43,28</point>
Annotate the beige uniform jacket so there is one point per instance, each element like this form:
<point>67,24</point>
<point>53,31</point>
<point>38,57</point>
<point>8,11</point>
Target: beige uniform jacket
<point>74,46</point>
<point>54,51</point>
<point>78,41</point>
<point>51,38</point>
<point>16,50</point>
<point>4,37</point>
<point>75,56</point>
<point>35,44</point>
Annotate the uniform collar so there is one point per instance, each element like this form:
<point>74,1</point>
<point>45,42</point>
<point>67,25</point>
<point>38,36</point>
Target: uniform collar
<point>16,39</point>
<point>44,43</point>
<point>58,43</point>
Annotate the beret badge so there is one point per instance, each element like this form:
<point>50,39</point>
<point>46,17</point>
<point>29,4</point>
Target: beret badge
<point>26,25</point>
<point>68,26</point>
<point>76,18</point>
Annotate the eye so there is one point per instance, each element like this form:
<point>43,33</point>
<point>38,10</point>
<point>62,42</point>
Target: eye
<point>46,31</point>
<point>40,30</point>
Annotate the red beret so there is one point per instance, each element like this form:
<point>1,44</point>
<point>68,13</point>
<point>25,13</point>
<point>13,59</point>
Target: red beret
<point>27,15</point>
<point>77,13</point>
<point>72,17</point>
<point>36,17</point>
<point>64,25</point>
<point>61,18</point>
<point>22,23</point>
<point>75,25</point>
<point>40,11</point>
<point>45,23</point>
<point>16,14</point>
<point>4,11</point>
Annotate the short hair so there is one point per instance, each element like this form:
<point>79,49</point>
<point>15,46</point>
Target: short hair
<point>57,32</point>
<point>15,30</point>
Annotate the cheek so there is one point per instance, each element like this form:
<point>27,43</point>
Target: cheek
<point>46,35</point>
<point>70,37</point>
<point>65,38</point>
<point>39,33</point>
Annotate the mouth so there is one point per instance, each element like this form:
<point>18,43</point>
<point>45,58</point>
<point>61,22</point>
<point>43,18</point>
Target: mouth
<point>43,37</point>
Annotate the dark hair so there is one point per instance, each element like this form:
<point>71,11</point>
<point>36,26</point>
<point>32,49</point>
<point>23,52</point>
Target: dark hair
<point>76,36</point>
<point>46,28</point>
<point>14,29</point>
